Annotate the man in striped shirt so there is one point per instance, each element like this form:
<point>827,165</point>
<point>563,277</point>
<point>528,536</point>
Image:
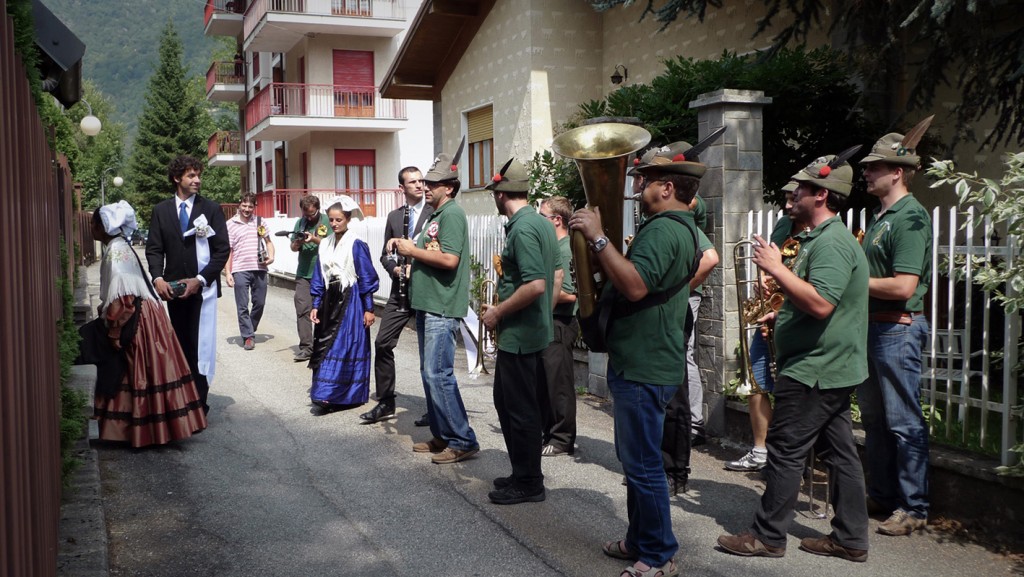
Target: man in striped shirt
<point>251,252</point>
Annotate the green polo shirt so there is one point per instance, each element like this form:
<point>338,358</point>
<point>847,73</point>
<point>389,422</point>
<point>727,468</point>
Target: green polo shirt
<point>568,287</point>
<point>309,250</point>
<point>782,230</point>
<point>831,352</point>
<point>700,213</point>
<point>650,346</point>
<point>704,244</point>
<point>439,291</point>
<point>900,241</point>
<point>530,253</point>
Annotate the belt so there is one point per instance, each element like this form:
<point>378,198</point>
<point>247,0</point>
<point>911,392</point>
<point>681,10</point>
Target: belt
<point>897,317</point>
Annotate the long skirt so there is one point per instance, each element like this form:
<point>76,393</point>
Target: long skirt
<point>341,350</point>
<point>157,401</point>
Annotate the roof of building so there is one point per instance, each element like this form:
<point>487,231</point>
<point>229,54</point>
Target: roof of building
<point>433,46</point>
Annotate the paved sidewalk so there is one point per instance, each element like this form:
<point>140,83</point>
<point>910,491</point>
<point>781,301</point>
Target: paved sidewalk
<point>269,489</point>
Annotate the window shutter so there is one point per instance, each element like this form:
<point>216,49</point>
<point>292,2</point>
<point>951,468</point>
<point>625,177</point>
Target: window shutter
<point>353,68</point>
<point>480,124</point>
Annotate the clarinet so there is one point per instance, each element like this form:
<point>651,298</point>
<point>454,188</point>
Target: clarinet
<point>403,280</point>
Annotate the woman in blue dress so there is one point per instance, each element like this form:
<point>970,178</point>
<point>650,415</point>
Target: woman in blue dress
<point>342,288</point>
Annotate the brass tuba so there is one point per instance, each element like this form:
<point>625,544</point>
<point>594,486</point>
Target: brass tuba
<point>600,151</point>
<point>753,304</point>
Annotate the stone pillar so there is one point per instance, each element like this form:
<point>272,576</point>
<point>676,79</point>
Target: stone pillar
<point>731,187</point>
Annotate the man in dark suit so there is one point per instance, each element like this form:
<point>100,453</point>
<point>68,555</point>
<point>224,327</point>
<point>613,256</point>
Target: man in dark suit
<point>394,320</point>
<point>186,250</point>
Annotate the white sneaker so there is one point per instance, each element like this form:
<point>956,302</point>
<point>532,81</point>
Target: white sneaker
<point>749,462</point>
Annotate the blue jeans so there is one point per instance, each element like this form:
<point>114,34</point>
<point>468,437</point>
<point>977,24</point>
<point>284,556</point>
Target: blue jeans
<point>890,405</point>
<point>639,411</point>
<point>448,419</point>
<point>250,283</point>
<point>760,361</point>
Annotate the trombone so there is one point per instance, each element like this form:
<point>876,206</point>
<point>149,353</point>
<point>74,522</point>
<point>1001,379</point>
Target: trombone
<point>756,297</point>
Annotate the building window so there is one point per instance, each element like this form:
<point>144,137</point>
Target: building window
<point>255,67</point>
<point>480,135</point>
<point>270,172</point>
<point>355,175</point>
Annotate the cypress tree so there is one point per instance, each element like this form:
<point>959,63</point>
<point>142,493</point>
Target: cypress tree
<point>170,126</point>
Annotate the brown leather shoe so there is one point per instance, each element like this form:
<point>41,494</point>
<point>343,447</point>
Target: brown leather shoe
<point>434,445</point>
<point>747,545</point>
<point>450,455</point>
<point>901,523</point>
<point>827,547</point>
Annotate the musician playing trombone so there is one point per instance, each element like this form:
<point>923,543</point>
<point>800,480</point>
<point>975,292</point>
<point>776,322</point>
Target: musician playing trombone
<point>523,325</point>
<point>820,343</point>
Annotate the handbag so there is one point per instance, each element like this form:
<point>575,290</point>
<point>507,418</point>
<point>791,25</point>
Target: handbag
<point>595,329</point>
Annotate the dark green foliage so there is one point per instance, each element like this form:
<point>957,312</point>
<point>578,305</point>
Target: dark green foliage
<point>100,152</point>
<point>552,175</point>
<point>72,403</point>
<point>814,110</point>
<point>20,12</point>
<point>171,125</point>
<point>978,47</point>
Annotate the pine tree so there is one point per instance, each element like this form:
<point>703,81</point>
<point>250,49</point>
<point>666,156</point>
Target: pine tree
<point>170,126</point>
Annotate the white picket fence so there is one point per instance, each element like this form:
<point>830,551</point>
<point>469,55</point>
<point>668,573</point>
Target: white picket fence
<point>963,377</point>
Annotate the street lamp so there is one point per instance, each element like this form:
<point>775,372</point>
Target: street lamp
<point>118,181</point>
<point>90,125</point>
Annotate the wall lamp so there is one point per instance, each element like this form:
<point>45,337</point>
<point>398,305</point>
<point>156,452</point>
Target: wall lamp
<point>618,78</point>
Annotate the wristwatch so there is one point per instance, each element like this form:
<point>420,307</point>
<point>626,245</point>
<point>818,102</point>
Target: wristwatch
<point>598,244</point>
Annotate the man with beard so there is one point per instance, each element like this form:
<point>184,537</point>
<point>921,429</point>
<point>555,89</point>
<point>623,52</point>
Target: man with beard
<point>309,230</point>
<point>820,345</point>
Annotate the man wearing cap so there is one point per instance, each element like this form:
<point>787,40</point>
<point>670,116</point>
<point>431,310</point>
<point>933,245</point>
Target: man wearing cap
<point>820,345</point>
<point>647,349</point>
<point>899,252</point>
<point>403,222</point>
<point>439,292</point>
<point>523,324</point>
<point>560,418</point>
<point>758,403</point>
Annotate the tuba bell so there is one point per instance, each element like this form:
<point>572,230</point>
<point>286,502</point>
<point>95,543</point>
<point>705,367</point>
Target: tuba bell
<point>600,151</point>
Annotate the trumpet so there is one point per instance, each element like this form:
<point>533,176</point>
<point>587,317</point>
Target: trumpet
<point>487,339</point>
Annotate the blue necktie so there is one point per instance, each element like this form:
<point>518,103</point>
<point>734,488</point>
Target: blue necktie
<point>183,217</point>
<point>412,222</point>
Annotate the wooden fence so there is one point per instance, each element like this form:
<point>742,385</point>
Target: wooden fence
<point>35,190</point>
<point>969,383</point>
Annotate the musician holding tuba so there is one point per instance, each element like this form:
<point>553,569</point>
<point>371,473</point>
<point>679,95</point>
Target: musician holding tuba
<point>647,347</point>
<point>403,222</point>
<point>821,355</point>
<point>523,323</point>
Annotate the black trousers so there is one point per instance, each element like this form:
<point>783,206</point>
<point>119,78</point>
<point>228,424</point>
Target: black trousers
<point>391,324</point>
<point>560,416</point>
<point>520,393</point>
<point>184,314</point>
<point>675,440</point>
<point>803,416</point>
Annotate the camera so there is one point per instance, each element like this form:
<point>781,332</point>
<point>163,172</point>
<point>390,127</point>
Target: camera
<point>261,256</point>
<point>178,288</point>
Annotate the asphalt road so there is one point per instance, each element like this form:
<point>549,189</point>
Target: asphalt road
<point>272,490</point>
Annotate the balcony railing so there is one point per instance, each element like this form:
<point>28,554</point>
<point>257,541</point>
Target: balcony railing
<point>321,101</point>
<point>224,142</point>
<point>383,9</point>
<point>372,202</point>
<point>225,73</point>
<point>213,6</point>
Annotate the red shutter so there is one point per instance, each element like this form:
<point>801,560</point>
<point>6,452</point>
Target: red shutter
<point>349,157</point>
<point>353,68</point>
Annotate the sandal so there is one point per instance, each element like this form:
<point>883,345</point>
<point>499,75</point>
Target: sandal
<point>669,569</point>
<point>618,550</point>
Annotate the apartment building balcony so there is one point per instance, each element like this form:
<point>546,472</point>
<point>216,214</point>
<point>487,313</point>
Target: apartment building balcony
<point>225,148</point>
<point>225,82</point>
<point>283,111</point>
<point>224,17</point>
<point>277,25</point>
<point>285,201</point>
